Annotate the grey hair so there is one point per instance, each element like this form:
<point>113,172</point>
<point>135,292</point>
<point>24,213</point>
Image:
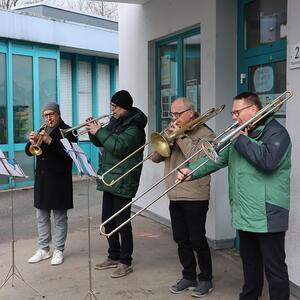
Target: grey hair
<point>188,104</point>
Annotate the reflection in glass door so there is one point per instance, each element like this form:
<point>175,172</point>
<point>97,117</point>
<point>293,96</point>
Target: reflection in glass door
<point>168,80</point>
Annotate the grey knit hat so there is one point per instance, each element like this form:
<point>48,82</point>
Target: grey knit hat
<point>51,106</point>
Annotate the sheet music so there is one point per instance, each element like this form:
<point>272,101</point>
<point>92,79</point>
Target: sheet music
<point>71,152</point>
<point>10,168</point>
<point>79,158</point>
<point>84,160</point>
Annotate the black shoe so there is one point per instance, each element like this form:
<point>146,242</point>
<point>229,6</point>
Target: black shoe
<point>202,289</point>
<point>183,285</point>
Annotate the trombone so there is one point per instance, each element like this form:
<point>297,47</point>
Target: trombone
<point>36,149</point>
<point>161,142</point>
<point>75,130</point>
<point>220,143</point>
<point>212,149</point>
<point>206,116</point>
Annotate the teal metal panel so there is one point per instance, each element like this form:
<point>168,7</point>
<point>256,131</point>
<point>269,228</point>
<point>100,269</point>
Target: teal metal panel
<point>10,130</point>
<point>36,90</point>
<point>112,68</point>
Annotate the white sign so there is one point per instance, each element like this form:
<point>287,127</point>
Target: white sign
<point>295,56</point>
<point>263,79</point>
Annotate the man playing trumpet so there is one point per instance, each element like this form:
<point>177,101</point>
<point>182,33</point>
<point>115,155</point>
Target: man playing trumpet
<point>53,190</point>
<point>188,203</point>
<point>124,134</point>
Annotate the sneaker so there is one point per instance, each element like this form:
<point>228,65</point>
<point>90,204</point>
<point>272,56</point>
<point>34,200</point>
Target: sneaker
<point>122,270</point>
<point>57,258</point>
<point>183,285</point>
<point>39,255</point>
<point>202,289</point>
<point>107,264</point>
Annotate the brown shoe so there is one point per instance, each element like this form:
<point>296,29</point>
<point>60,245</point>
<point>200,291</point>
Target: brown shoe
<point>107,264</point>
<point>122,270</point>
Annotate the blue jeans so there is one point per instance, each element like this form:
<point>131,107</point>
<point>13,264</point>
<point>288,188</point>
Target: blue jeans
<point>44,228</point>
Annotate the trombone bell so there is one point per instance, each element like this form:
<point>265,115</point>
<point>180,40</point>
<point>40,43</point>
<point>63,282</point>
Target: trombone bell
<point>160,144</point>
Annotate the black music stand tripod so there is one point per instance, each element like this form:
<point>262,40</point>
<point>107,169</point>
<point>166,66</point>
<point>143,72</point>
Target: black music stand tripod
<point>14,271</point>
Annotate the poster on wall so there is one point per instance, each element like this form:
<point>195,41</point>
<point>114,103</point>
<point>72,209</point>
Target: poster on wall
<point>165,73</point>
<point>192,91</point>
<point>165,103</point>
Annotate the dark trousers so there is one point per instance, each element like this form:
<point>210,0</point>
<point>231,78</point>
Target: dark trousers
<point>264,252</point>
<point>188,224</point>
<point>120,243</point>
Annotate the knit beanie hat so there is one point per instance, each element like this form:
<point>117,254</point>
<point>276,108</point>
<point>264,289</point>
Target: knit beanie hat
<point>123,99</point>
<point>51,106</point>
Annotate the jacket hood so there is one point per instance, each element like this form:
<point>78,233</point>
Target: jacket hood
<point>135,116</point>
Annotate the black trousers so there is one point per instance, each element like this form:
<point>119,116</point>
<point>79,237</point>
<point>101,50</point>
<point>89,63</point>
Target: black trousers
<point>188,224</point>
<point>120,243</point>
<point>264,252</point>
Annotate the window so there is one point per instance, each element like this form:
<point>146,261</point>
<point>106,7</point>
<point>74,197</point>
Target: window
<point>84,93</point>
<point>265,22</point>
<point>103,102</point>
<point>66,107</point>
<point>178,73</point>
<point>22,97</point>
<point>47,82</point>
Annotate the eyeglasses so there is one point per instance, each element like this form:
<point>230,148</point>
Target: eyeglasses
<point>178,114</point>
<point>50,114</point>
<point>237,112</point>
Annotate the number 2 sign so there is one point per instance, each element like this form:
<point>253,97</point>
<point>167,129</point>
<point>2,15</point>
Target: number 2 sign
<point>295,56</point>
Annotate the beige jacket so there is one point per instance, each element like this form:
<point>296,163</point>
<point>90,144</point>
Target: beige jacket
<point>182,149</point>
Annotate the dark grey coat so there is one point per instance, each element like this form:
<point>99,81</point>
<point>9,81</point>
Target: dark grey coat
<point>53,187</point>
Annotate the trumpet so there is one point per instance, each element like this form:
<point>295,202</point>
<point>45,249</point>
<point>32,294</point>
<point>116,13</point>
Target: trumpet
<point>75,130</point>
<point>161,142</point>
<point>35,149</point>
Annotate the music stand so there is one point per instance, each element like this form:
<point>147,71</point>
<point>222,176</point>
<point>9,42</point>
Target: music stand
<point>13,170</point>
<point>84,168</point>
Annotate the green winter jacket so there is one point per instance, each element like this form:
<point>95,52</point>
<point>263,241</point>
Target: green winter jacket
<point>259,178</point>
<point>120,138</point>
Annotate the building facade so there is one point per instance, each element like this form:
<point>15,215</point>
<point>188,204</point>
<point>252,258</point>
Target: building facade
<point>51,54</point>
<point>210,51</point>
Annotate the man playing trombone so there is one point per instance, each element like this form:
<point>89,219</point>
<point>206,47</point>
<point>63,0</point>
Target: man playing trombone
<point>259,162</point>
<point>188,203</point>
<point>122,136</point>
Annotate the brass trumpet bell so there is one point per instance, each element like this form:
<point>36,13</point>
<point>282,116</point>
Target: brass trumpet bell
<point>35,150</point>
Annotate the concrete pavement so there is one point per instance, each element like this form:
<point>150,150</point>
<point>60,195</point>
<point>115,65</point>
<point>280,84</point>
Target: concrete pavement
<point>155,262</point>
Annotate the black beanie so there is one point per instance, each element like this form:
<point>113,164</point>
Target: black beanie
<point>123,99</point>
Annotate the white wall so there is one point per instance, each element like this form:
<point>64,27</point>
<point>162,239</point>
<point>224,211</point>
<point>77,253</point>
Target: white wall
<point>139,26</point>
<point>293,109</point>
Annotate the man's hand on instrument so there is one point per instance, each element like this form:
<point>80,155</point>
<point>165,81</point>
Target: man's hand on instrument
<point>32,137</point>
<point>182,175</point>
<point>46,137</point>
<point>92,126</point>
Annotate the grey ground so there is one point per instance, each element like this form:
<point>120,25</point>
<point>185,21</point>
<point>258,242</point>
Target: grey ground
<point>155,259</point>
